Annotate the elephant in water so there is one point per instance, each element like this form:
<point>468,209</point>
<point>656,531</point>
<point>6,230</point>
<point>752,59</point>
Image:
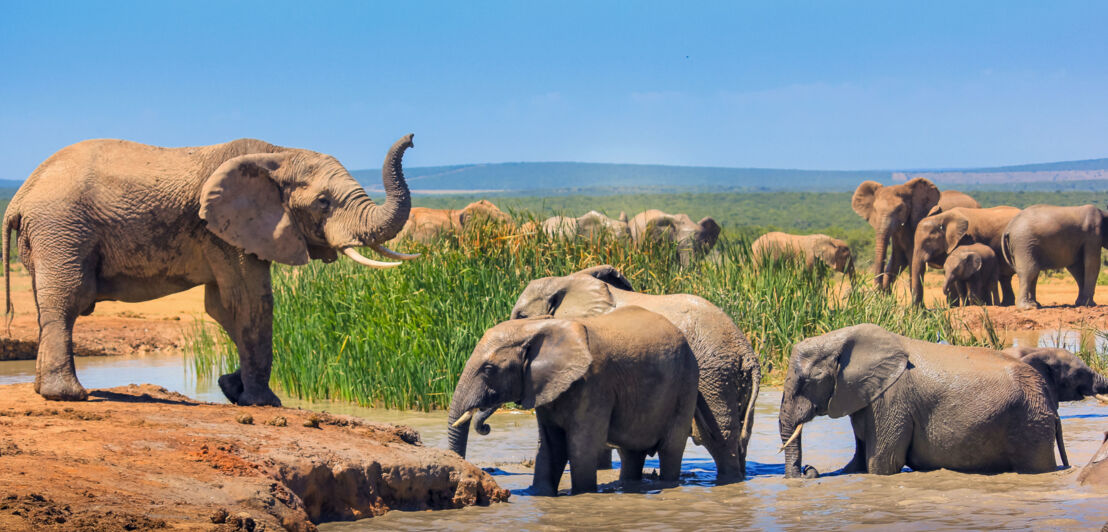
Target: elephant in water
<point>894,211</point>
<point>589,225</point>
<point>944,230</point>
<point>692,238</point>
<point>1095,473</point>
<point>832,251</point>
<point>729,369</point>
<point>1046,236</point>
<point>116,220</point>
<point>971,275</point>
<point>1067,376</point>
<point>626,378</point>
<point>924,405</point>
<point>425,224</point>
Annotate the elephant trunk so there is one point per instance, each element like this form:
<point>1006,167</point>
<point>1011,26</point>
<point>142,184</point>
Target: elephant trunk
<point>918,269</point>
<point>1100,387</point>
<point>464,408</point>
<point>380,223</point>
<point>880,248</point>
<point>795,411</point>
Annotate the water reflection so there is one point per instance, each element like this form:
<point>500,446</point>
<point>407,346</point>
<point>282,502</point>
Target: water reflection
<point>1089,340</point>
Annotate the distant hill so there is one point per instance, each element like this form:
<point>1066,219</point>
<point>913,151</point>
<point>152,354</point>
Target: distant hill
<point>571,178</point>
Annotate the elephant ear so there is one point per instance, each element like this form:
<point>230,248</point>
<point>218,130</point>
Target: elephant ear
<point>973,264</point>
<point>556,357</point>
<point>711,230</point>
<point>862,201</point>
<point>937,209</point>
<point>925,195</point>
<point>957,232</point>
<point>609,274</point>
<point>872,360</point>
<point>582,296</point>
<point>243,206</point>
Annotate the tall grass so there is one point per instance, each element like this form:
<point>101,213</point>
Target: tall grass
<point>399,338</point>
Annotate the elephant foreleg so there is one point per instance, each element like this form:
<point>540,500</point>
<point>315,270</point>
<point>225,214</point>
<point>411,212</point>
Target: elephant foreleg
<point>887,438</point>
<point>550,461</point>
<point>1008,295</point>
<point>857,464</point>
<point>585,440</point>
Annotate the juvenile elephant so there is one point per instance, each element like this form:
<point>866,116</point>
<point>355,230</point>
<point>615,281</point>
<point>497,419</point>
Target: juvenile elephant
<point>729,369</point>
<point>915,403</point>
<point>588,225</point>
<point>692,238</point>
<point>1045,236</point>
<point>832,251</point>
<point>116,220</point>
<point>971,275</point>
<point>894,211</point>
<point>943,230</point>
<point>626,378</point>
<point>1067,377</point>
<point>424,224</point>
<point>1095,473</point>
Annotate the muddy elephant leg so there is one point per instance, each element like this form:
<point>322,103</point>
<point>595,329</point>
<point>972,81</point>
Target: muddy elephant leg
<point>671,450</point>
<point>857,464</point>
<point>550,461</point>
<point>60,295</point>
<point>719,427</point>
<point>585,439</point>
<point>241,301</point>
<point>630,465</point>
<point>886,443</point>
<point>1029,277</point>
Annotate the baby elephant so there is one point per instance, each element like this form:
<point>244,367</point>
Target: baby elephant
<point>834,252</point>
<point>626,378</point>
<point>972,275</point>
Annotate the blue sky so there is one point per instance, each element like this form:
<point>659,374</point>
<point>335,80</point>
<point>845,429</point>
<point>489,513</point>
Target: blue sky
<point>822,85</point>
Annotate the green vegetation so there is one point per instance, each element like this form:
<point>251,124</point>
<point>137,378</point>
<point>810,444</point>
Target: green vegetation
<point>400,338</point>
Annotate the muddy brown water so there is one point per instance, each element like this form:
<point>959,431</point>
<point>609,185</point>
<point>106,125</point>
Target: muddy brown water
<point>941,500</point>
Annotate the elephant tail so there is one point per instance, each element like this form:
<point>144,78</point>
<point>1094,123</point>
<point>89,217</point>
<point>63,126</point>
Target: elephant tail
<point>1006,250</point>
<point>11,221</point>
<point>1061,444</point>
<point>748,416</point>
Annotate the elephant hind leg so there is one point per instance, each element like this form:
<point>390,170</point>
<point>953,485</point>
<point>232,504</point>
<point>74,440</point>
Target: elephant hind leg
<point>61,292</point>
<point>720,432</point>
<point>1085,271</point>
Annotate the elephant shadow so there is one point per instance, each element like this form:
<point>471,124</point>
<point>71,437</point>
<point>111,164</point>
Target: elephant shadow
<point>117,397</point>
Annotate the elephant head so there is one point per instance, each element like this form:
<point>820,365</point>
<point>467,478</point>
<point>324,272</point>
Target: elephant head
<point>690,237</point>
<point>291,206</point>
<point>960,265</point>
<point>581,294</point>
<point>893,212</point>
<point>836,253</point>
<point>528,362</point>
<point>936,237</point>
<point>1067,376</point>
<point>483,211</point>
<point>836,374</point>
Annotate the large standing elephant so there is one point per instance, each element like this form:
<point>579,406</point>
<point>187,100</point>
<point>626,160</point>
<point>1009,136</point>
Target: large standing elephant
<point>692,238</point>
<point>894,211</point>
<point>589,225</point>
<point>942,231</point>
<point>1045,236</point>
<point>425,224</point>
<point>832,251</point>
<point>1067,376</point>
<point>915,403</point>
<point>971,275</point>
<point>626,378</point>
<point>116,220</point>
<point>729,369</point>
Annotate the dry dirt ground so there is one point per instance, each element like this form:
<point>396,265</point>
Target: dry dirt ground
<point>139,457</point>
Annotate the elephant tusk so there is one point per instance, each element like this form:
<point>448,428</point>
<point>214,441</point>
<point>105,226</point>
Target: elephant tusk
<point>357,257</point>
<point>796,434</point>
<point>1102,397</point>
<point>464,419</point>
<point>386,252</point>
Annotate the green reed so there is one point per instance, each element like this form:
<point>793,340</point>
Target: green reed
<point>399,338</point>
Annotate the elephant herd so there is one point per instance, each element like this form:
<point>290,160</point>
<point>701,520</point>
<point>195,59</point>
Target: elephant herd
<point>602,365</point>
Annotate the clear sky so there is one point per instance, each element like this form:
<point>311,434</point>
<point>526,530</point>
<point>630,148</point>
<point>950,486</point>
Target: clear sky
<point>817,84</point>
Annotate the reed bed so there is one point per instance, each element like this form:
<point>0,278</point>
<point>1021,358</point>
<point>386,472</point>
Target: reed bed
<point>399,338</point>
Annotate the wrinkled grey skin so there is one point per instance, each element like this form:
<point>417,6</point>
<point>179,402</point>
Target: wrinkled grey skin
<point>893,212</point>
<point>942,231</point>
<point>729,369</point>
<point>1095,473</point>
<point>832,251</point>
<point>692,238</point>
<point>1067,376</point>
<point>116,220</point>
<point>971,276</point>
<point>1045,236</point>
<point>918,404</point>
<point>626,378</point>
<point>588,225</point>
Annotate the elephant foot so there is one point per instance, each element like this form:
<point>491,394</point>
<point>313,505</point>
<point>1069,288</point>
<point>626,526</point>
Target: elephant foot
<point>264,398</point>
<point>1029,305</point>
<point>231,384</point>
<point>810,472</point>
<point>1085,302</point>
<point>803,472</point>
<point>61,388</point>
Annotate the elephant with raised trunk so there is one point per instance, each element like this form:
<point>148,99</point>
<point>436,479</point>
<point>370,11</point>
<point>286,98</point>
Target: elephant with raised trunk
<point>729,368</point>
<point>942,231</point>
<point>116,220</point>
<point>589,225</point>
<point>832,251</point>
<point>625,379</point>
<point>918,404</point>
<point>893,212</point>
<point>1045,236</point>
<point>692,239</point>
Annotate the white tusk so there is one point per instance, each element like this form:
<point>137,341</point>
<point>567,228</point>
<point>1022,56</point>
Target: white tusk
<point>464,419</point>
<point>384,251</point>
<point>357,257</point>
<point>1103,397</point>
<point>796,434</point>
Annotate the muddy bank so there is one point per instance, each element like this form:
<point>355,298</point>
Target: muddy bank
<point>138,457</point>
<point>98,336</point>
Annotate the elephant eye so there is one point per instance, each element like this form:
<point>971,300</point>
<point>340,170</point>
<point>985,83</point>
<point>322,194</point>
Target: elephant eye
<point>323,204</point>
